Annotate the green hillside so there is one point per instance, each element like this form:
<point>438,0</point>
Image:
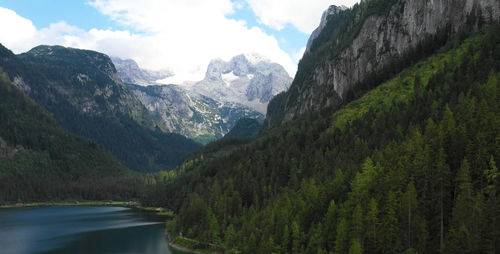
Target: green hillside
<point>411,166</point>
<point>40,161</point>
<point>245,128</point>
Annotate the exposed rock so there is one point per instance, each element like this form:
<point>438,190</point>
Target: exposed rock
<point>191,114</point>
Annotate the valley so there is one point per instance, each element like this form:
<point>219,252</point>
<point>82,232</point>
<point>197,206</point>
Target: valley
<point>385,140</point>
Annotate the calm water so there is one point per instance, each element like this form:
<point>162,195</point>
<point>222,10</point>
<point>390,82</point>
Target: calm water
<point>81,230</point>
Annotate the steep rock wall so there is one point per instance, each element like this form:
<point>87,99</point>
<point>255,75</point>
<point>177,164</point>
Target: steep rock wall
<point>382,38</point>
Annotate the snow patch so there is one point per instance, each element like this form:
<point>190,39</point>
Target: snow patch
<point>229,77</point>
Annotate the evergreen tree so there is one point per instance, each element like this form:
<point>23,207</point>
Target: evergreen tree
<point>342,236</point>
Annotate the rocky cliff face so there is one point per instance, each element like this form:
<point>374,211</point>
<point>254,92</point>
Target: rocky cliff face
<point>191,114</point>
<point>381,38</point>
<point>130,72</point>
<point>250,80</point>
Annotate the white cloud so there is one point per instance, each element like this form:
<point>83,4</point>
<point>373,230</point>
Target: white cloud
<point>297,56</point>
<point>15,31</point>
<point>180,35</point>
<point>303,14</point>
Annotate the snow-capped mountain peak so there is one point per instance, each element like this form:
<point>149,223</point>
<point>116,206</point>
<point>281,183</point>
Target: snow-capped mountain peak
<point>249,79</point>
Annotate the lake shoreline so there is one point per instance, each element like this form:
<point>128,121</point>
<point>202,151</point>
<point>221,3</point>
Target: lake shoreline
<point>73,203</point>
<point>129,204</point>
<point>179,247</point>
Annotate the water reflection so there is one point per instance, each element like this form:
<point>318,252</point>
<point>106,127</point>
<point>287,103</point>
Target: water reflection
<point>81,230</point>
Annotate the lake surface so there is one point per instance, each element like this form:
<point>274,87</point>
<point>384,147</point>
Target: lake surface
<point>81,230</point>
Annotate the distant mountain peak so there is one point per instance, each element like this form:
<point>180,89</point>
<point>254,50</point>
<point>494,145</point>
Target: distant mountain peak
<point>248,79</point>
<point>130,72</point>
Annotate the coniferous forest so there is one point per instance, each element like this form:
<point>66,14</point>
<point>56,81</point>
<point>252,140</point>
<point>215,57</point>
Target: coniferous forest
<point>410,167</point>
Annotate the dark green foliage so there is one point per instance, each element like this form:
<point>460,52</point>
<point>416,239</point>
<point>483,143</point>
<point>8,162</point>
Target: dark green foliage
<point>99,108</point>
<point>388,163</point>
<point>245,128</point>
<point>39,161</point>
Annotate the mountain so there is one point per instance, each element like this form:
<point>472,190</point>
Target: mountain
<point>357,45</point>
<point>327,14</point>
<point>87,97</point>
<point>210,108</point>
<point>406,163</point>
<point>191,114</point>
<point>131,73</point>
<point>40,161</point>
<point>250,80</point>
<point>245,128</point>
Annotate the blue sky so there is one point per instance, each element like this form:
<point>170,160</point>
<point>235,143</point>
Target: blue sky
<point>45,12</point>
<point>180,35</point>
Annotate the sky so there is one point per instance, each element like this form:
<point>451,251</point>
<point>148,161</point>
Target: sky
<point>177,35</point>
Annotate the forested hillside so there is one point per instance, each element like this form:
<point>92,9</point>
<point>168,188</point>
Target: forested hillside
<point>411,166</point>
<point>84,93</point>
<point>245,128</point>
<point>39,161</point>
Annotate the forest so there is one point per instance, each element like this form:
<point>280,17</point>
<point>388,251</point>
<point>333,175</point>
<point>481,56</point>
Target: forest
<point>410,166</point>
<point>39,161</point>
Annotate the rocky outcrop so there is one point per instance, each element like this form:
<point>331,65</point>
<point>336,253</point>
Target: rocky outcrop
<point>251,80</point>
<point>380,39</point>
<point>191,114</point>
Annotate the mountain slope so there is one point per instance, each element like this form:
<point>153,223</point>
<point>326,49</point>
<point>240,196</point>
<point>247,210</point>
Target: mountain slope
<point>191,114</point>
<point>375,37</point>
<point>40,161</point>
<point>245,128</point>
<point>85,94</point>
<point>410,166</point>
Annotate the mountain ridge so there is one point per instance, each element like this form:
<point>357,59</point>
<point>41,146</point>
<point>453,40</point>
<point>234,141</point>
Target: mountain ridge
<point>130,72</point>
<point>85,94</point>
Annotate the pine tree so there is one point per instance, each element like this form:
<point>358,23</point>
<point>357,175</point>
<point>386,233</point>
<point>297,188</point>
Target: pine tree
<point>342,236</point>
<point>330,224</point>
<point>410,202</point>
<point>357,222</point>
<point>356,247</point>
<point>372,220</point>
<point>295,238</point>
<point>390,233</point>
<point>460,231</point>
<point>442,173</point>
